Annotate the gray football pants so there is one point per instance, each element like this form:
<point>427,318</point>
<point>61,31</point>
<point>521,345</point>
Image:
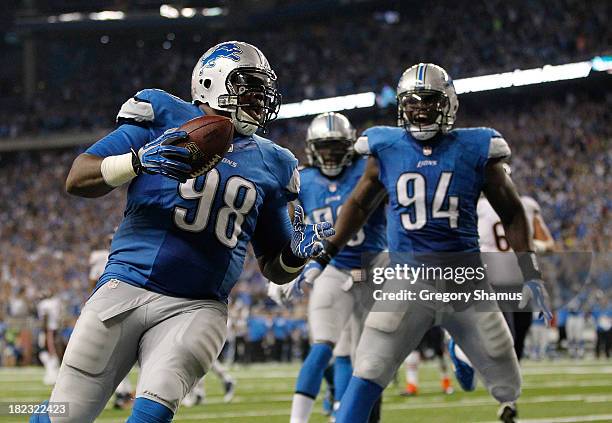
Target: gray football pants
<point>175,340</point>
<point>389,336</point>
<point>336,310</point>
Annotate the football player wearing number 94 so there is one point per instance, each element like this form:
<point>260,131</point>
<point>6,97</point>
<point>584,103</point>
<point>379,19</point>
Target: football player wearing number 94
<point>162,299</point>
<point>433,176</point>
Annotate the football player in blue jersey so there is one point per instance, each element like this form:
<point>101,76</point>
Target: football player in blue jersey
<point>162,299</point>
<point>433,176</point>
<point>336,297</point>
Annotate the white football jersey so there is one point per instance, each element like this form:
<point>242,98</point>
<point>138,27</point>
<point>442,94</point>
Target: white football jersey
<point>490,228</point>
<point>51,308</point>
<point>502,269</point>
<point>97,263</point>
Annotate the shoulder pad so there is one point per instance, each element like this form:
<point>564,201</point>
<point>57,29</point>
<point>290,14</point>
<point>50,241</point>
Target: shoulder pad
<point>147,107</point>
<point>498,148</point>
<point>361,145</point>
<point>376,138</point>
<point>494,145</point>
<point>136,110</point>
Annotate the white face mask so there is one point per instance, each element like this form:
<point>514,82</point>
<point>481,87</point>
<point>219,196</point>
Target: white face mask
<point>242,126</point>
<point>423,133</point>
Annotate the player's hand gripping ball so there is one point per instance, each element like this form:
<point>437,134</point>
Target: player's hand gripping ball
<point>208,140</point>
<point>306,238</point>
<point>187,152</point>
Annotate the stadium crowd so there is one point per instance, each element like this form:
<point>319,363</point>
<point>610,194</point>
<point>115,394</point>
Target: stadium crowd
<point>560,157</point>
<point>560,148</point>
<point>81,78</point>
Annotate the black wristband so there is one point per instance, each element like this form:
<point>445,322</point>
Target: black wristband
<point>290,259</point>
<point>329,252</point>
<point>528,263</point>
<point>136,162</point>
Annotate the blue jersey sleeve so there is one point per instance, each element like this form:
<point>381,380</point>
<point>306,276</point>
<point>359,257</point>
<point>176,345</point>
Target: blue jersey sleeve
<point>120,141</point>
<point>273,230</point>
<point>136,115</point>
<point>374,139</point>
<point>488,144</point>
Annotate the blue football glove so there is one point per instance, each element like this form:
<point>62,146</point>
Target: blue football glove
<point>161,157</point>
<point>306,238</point>
<point>534,290</point>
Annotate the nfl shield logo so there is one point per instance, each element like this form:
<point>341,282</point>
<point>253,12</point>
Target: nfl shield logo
<point>427,150</point>
<point>332,187</point>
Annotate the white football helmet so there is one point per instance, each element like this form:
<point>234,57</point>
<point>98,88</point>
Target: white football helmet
<point>426,101</point>
<point>236,77</point>
<point>329,143</point>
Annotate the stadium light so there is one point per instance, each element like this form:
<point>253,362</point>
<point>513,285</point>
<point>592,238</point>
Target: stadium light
<point>70,17</point>
<point>332,104</point>
<point>188,12</point>
<point>547,73</point>
<point>213,11</point>
<point>517,78</point>
<point>602,63</point>
<point>107,15</point>
<point>167,11</point>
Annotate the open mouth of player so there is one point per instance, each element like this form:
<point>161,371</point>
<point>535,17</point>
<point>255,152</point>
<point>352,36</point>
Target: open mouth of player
<point>331,152</point>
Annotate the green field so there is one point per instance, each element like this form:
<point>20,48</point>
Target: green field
<point>561,391</point>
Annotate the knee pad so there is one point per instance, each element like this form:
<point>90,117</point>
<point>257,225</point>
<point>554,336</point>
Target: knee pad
<point>373,368</point>
<point>497,334</point>
<point>385,321</point>
<point>148,411</point>
<point>202,339</point>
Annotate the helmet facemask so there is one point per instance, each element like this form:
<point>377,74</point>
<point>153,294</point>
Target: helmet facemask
<point>253,99</point>
<point>423,113</point>
<point>330,155</point>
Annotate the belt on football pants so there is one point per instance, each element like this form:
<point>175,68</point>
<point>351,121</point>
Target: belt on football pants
<point>358,275</point>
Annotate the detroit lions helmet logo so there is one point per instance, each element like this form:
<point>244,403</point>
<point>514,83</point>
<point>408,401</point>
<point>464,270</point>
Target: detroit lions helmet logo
<point>229,50</point>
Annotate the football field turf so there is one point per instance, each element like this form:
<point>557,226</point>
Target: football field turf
<point>559,391</point>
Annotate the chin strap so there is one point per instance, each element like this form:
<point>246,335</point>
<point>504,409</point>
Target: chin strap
<point>240,120</point>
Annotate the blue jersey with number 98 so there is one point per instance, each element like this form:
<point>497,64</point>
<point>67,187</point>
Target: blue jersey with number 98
<point>322,198</point>
<point>189,240</point>
<point>433,188</point>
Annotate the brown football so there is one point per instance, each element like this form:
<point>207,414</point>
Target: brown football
<point>209,139</point>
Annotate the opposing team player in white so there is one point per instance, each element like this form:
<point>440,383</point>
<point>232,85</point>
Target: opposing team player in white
<point>503,270</point>
<point>49,310</point>
<point>338,298</point>
<point>180,248</point>
<point>433,176</point>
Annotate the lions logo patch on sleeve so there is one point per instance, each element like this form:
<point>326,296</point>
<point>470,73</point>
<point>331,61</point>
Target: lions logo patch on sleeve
<point>228,50</point>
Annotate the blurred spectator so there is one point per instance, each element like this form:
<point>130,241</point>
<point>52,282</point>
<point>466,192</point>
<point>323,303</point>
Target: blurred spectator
<point>83,78</point>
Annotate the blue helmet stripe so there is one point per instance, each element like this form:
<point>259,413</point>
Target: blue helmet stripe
<point>420,72</point>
